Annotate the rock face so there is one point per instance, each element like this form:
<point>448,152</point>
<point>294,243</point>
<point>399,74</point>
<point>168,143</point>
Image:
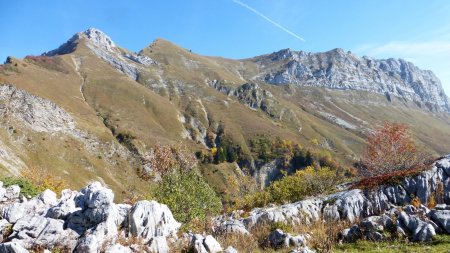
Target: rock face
<point>84,221</point>
<point>255,97</point>
<point>37,113</point>
<point>337,69</point>
<point>377,205</point>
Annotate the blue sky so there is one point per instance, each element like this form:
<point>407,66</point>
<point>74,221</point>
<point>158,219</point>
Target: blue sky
<point>416,30</point>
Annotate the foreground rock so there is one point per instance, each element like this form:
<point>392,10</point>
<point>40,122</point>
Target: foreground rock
<point>84,221</point>
<point>378,205</point>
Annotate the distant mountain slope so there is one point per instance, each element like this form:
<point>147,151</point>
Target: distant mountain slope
<point>337,69</point>
<point>116,105</point>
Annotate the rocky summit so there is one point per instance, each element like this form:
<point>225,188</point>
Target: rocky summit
<point>337,69</point>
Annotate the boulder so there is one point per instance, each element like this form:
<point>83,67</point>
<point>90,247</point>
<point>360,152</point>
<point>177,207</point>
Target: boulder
<point>197,243</point>
<point>12,247</point>
<point>148,219</point>
<point>230,249</point>
<point>351,234</point>
<point>12,192</point>
<point>44,232</point>
<point>204,244</point>
<point>441,218</point>
<point>278,239</point>
<point>419,230</point>
<point>95,205</point>
<point>122,215</point>
<point>352,204</point>
<point>65,206</point>
<point>302,250</point>
<point>158,244</point>
<point>233,227</point>
<point>117,248</point>
<point>212,245</point>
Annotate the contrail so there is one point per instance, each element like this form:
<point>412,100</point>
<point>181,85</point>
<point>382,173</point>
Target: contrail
<point>268,19</point>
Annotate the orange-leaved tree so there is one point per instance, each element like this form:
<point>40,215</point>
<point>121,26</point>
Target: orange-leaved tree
<point>389,149</point>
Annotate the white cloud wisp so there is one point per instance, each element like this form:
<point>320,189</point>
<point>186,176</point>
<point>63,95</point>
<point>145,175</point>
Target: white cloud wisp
<point>269,20</point>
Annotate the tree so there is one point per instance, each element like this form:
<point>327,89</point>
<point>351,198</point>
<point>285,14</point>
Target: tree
<point>389,149</point>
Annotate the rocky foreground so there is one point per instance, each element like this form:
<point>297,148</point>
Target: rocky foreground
<point>89,220</point>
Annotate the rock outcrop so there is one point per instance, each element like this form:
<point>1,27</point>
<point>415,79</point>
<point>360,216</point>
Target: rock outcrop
<point>337,69</point>
<point>378,205</point>
<point>35,112</point>
<point>84,221</point>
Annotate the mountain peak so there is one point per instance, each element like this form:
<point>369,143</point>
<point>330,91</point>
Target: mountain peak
<point>98,38</point>
<point>93,36</point>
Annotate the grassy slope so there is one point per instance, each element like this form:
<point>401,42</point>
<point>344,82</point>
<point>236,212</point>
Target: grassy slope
<point>59,154</point>
<point>441,243</point>
<point>133,108</point>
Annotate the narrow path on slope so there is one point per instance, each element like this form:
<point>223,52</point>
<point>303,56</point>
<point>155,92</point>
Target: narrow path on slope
<point>77,63</point>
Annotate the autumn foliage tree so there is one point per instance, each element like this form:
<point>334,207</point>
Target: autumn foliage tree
<point>390,149</point>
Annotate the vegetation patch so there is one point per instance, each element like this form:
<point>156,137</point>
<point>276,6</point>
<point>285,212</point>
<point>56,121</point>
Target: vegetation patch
<point>291,188</point>
<point>50,63</point>
<point>440,243</point>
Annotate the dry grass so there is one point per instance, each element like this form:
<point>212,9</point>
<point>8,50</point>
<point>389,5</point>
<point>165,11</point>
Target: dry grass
<point>44,180</point>
<point>324,236</point>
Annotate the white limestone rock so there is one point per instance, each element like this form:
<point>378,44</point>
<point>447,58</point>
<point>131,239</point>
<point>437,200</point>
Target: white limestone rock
<point>12,192</point>
<point>419,230</point>
<point>158,244</point>
<point>34,231</point>
<point>212,245</point>
<point>337,69</point>
<point>441,218</point>
<point>117,248</point>
<point>37,206</point>
<point>230,249</point>
<point>148,219</point>
<point>12,247</point>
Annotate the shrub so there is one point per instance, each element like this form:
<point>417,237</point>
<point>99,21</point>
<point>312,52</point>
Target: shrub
<point>185,192</point>
<point>43,180</point>
<point>188,196</point>
<point>303,183</point>
<point>27,188</point>
<point>389,149</point>
<point>168,158</point>
<point>291,188</point>
<point>35,180</point>
<point>52,63</point>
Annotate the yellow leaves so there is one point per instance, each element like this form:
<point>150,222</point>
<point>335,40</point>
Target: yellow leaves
<point>167,158</point>
<point>44,180</point>
<point>315,142</point>
<point>213,151</point>
<point>416,202</point>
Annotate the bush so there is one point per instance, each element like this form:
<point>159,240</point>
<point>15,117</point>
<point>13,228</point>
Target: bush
<point>27,188</point>
<point>303,183</point>
<point>390,149</point>
<point>188,196</point>
<point>166,158</point>
<point>43,180</point>
<point>185,192</point>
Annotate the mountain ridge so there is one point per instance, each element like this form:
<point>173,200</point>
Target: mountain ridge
<point>335,69</point>
<point>127,102</point>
